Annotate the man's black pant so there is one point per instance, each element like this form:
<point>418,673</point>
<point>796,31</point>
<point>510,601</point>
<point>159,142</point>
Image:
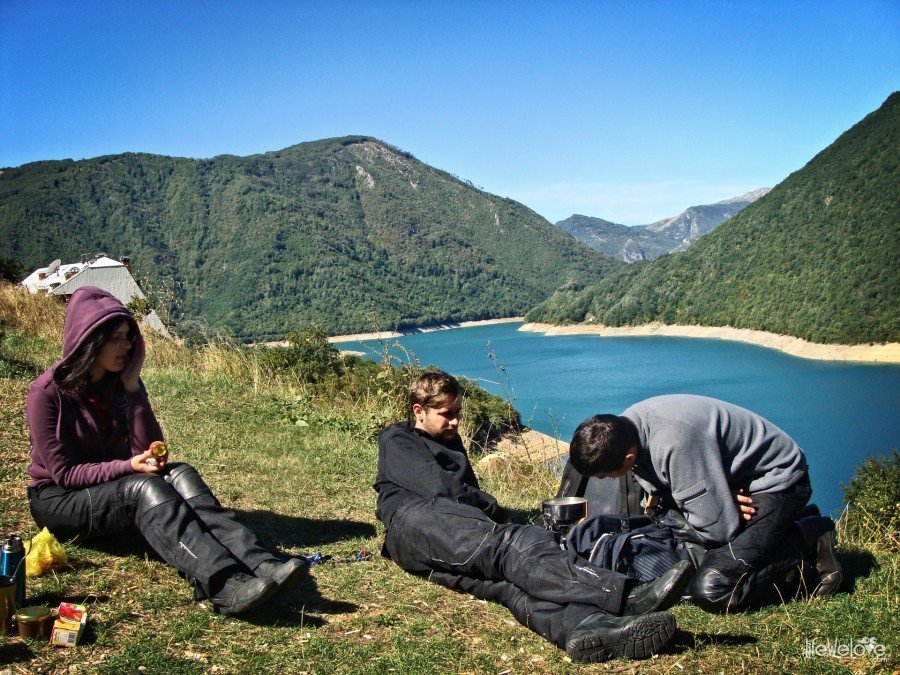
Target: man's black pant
<point>174,510</point>
<point>520,566</point>
<point>763,563</point>
<point>550,620</point>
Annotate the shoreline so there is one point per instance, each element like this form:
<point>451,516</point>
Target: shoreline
<point>876,353</point>
<point>450,325</point>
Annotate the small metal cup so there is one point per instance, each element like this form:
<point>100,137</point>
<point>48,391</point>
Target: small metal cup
<point>561,514</point>
<point>564,510</point>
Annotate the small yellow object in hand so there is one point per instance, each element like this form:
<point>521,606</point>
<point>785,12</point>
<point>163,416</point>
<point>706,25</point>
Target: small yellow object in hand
<point>159,449</point>
<point>44,553</point>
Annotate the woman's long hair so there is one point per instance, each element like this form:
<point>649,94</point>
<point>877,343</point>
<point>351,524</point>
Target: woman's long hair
<point>73,375</point>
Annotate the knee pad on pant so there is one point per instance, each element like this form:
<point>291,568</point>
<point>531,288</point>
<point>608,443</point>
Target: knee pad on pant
<point>525,537</point>
<point>711,590</point>
<point>146,491</point>
<point>186,481</point>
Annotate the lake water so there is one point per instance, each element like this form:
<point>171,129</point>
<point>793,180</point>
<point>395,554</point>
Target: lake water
<point>837,412</point>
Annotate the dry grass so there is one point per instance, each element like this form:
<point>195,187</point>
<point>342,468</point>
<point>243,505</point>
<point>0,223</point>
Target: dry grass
<point>38,315</point>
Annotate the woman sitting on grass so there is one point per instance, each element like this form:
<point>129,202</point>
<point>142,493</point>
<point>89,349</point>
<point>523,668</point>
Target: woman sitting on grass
<point>93,473</point>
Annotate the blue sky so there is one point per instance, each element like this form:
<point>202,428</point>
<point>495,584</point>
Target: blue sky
<point>629,111</point>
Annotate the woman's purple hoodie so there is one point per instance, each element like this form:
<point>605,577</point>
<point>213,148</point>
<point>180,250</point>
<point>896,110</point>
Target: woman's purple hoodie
<point>67,446</point>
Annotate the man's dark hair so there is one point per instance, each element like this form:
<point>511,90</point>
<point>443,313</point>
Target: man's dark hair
<point>432,388</point>
<point>600,444</point>
<point>73,375</point>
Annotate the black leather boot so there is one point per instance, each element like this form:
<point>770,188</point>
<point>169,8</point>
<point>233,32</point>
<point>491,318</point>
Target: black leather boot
<point>661,594</point>
<point>831,573</point>
<point>240,593</point>
<point>286,574</point>
<point>818,538</point>
<point>603,636</point>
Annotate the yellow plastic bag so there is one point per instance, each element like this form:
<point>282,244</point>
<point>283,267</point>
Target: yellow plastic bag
<point>44,553</point>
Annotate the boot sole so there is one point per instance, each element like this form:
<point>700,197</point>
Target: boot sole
<point>643,637</point>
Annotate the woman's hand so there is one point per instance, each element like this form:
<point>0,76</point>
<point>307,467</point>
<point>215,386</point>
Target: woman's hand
<point>131,376</point>
<point>744,504</point>
<point>140,465</point>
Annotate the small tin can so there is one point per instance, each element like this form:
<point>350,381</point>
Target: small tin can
<point>34,622</point>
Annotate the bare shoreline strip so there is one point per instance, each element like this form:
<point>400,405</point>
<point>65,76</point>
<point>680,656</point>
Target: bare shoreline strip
<point>387,335</point>
<point>879,353</point>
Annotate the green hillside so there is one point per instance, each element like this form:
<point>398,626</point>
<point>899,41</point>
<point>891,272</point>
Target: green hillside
<point>344,233</point>
<point>818,257</point>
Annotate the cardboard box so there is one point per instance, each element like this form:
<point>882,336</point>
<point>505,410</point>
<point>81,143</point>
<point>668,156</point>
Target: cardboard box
<point>69,625</point>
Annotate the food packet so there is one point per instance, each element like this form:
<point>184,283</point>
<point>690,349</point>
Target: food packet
<point>43,554</point>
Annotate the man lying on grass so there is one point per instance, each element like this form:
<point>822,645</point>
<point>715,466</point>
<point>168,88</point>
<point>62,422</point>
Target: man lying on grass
<point>442,526</point>
<point>693,455</point>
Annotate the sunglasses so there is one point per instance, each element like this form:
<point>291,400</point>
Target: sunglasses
<point>122,341</point>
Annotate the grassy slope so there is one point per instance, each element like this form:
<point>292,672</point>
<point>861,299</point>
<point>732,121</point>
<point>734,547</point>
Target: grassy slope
<point>308,489</point>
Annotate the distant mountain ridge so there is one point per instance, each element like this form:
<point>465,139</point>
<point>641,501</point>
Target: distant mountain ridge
<point>646,242</point>
<point>818,257</point>
<point>348,233</point>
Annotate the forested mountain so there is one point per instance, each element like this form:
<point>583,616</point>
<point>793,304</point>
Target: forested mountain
<point>818,257</point>
<point>646,242</point>
<point>346,233</point>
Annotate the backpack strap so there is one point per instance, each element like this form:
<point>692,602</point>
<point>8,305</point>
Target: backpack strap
<point>629,498</point>
<point>623,502</point>
<point>621,541</point>
<point>635,494</point>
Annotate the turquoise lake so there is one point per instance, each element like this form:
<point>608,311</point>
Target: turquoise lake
<point>838,412</point>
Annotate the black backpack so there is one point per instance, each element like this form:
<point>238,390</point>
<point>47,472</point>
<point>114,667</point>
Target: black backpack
<point>637,546</point>
<point>621,496</point>
<point>617,535</point>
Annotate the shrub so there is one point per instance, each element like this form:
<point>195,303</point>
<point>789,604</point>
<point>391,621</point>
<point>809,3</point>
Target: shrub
<point>11,270</point>
<point>308,355</point>
<point>873,502</point>
<point>139,307</point>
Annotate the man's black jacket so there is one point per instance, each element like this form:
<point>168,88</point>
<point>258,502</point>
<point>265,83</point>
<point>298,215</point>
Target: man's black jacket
<point>412,463</point>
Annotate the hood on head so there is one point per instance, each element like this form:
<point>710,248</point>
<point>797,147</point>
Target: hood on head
<point>88,308</point>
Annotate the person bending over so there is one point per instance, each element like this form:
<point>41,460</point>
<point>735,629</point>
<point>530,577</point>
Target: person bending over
<point>739,482</point>
<point>441,526</point>
<point>93,474</point>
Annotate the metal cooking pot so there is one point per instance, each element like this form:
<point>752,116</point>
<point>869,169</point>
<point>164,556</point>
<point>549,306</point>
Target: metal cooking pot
<point>564,510</point>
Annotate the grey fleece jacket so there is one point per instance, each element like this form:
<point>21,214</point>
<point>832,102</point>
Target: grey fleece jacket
<point>696,451</point>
